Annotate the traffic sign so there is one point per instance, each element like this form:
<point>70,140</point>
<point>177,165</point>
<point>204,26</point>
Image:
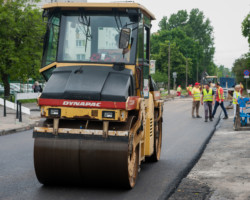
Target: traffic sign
<point>246,72</point>
<point>152,66</point>
<point>246,76</point>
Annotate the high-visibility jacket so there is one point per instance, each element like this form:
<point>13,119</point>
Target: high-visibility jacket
<point>207,96</point>
<point>220,94</point>
<point>237,96</point>
<point>178,89</point>
<point>190,89</point>
<point>197,94</point>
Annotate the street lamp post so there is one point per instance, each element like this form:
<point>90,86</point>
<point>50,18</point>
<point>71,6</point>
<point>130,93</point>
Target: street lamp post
<point>186,72</point>
<point>169,69</point>
<point>197,72</point>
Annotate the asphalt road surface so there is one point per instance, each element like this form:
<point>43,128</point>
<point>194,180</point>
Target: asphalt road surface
<point>183,140</point>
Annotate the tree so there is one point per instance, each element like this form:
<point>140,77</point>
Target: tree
<point>223,71</point>
<point>163,23</point>
<point>178,20</point>
<point>243,63</point>
<point>240,65</point>
<point>246,28</point>
<point>21,40</point>
<point>178,63</point>
<point>192,35</point>
<point>201,31</point>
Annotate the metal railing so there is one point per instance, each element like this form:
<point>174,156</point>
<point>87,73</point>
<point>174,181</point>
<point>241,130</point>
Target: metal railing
<point>18,107</point>
<point>19,111</point>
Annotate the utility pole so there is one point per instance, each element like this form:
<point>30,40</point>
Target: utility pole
<point>169,69</point>
<point>174,76</point>
<point>186,72</point>
<point>174,83</point>
<point>246,88</point>
<point>197,72</point>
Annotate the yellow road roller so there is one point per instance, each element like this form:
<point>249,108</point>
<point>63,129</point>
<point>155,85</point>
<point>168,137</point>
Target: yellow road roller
<point>101,113</point>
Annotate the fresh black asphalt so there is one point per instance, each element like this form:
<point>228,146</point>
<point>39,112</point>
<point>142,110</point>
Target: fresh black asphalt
<point>184,139</point>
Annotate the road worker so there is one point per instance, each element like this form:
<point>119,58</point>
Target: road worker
<point>179,91</point>
<point>196,94</point>
<point>241,88</point>
<point>236,95</point>
<point>187,88</point>
<point>190,90</point>
<point>219,100</point>
<point>207,98</point>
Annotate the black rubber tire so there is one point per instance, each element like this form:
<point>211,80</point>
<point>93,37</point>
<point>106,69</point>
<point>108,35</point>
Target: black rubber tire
<point>157,140</point>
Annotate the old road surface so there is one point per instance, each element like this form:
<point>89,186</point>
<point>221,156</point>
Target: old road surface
<point>183,140</point>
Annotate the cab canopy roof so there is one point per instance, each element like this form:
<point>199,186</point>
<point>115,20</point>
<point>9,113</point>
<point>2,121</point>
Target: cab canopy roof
<point>98,6</point>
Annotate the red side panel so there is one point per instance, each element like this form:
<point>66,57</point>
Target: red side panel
<point>131,103</point>
<point>82,103</point>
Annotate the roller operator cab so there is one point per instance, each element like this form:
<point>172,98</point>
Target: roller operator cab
<point>101,111</point>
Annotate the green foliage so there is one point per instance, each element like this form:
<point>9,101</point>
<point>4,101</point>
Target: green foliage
<point>160,77</point>
<point>178,20</point>
<point>28,101</point>
<point>191,38</point>
<point>163,23</point>
<point>178,62</point>
<point>243,63</point>
<point>246,28</point>
<point>239,66</point>
<point>223,71</point>
<point>21,38</point>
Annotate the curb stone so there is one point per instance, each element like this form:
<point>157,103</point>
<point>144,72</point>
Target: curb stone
<point>11,131</point>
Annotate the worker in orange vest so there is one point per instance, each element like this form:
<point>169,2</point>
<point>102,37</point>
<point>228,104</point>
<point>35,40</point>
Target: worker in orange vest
<point>219,101</point>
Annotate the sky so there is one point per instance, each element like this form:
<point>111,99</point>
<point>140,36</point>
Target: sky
<point>226,17</point>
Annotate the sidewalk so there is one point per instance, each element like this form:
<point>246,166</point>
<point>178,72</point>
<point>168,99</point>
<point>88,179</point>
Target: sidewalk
<point>10,124</point>
<point>223,171</point>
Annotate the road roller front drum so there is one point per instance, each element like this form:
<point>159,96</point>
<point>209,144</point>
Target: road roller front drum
<point>95,160</point>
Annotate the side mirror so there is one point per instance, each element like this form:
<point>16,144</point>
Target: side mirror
<point>124,38</point>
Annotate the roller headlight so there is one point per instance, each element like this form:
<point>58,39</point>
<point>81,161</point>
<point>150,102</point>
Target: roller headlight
<point>54,112</point>
<point>108,114</point>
